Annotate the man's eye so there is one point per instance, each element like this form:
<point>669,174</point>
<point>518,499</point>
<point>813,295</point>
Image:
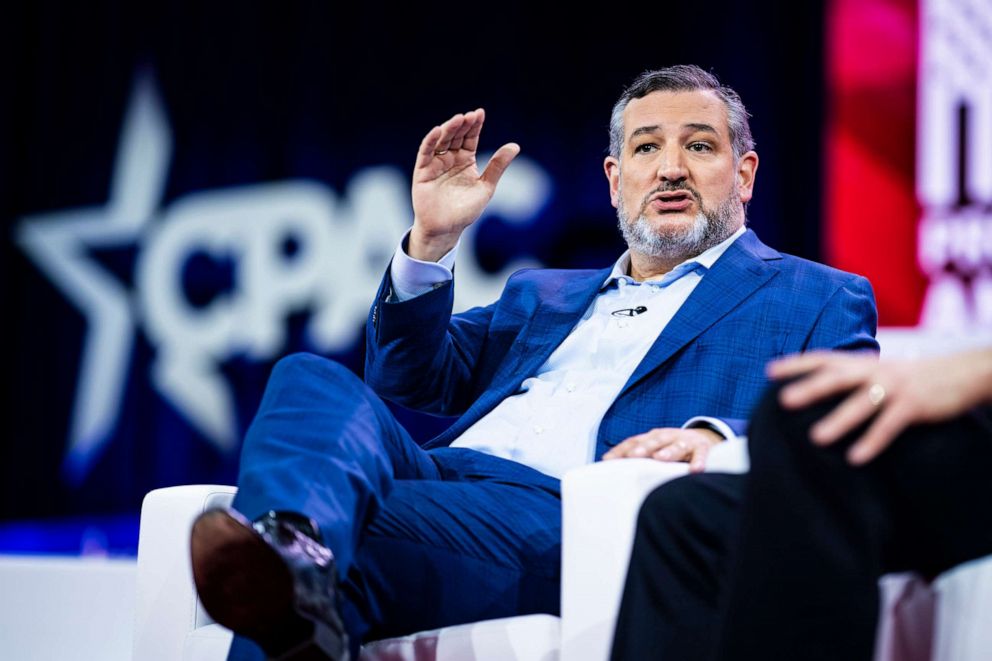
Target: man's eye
<point>646,147</point>
<point>700,147</point>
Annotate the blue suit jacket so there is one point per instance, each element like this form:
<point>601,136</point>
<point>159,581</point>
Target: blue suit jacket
<point>754,304</point>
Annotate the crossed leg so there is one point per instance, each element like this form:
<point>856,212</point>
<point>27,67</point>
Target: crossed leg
<point>421,539</point>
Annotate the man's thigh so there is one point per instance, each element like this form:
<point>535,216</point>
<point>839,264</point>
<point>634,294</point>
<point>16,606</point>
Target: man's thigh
<point>441,553</point>
<point>936,478</point>
<point>678,568</point>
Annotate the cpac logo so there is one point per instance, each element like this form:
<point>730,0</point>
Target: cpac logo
<point>341,245</point>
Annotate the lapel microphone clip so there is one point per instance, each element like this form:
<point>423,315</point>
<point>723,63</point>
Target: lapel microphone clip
<point>629,312</point>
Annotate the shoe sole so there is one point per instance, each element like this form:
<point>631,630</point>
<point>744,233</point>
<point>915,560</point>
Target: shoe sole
<point>245,586</point>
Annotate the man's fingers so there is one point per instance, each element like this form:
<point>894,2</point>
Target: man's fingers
<point>437,142</point>
<point>642,445</point>
<point>676,450</point>
<point>471,125</point>
<point>656,440</point>
<point>458,137</point>
<point>887,426</point>
<point>665,444</point>
<point>472,137</point>
<point>448,131</point>
<point>797,364</point>
<point>427,146</point>
<point>499,162</point>
<point>648,444</point>
<point>698,462</point>
<point>853,411</point>
<point>623,448</point>
<point>824,382</point>
<point>460,132</point>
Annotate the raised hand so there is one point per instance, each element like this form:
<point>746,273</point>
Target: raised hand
<point>449,192</point>
<point>893,394</point>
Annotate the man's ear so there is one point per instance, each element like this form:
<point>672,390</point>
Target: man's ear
<point>747,168</point>
<point>611,166</point>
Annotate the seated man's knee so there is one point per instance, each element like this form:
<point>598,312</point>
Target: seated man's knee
<point>770,414</point>
<point>668,507</point>
<point>305,380</point>
<point>302,365</point>
<point>775,428</point>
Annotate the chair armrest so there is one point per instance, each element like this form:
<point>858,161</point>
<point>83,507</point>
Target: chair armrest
<point>166,606</point>
<point>964,598</point>
<point>600,503</point>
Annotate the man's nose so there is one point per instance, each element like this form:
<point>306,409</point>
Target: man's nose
<point>671,164</point>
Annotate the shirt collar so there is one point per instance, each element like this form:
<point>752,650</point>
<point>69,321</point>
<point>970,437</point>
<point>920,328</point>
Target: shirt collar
<point>701,262</point>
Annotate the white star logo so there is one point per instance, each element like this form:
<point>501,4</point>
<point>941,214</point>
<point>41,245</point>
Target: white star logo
<point>344,243</point>
<point>59,243</point>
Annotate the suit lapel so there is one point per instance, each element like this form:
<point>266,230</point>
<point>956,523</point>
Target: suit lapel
<point>560,306</point>
<point>559,309</point>
<point>739,272</point>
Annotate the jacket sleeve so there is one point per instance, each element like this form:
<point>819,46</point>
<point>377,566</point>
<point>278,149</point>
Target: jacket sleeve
<point>847,322</point>
<point>421,356</point>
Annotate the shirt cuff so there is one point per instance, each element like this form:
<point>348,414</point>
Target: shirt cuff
<point>412,277</point>
<point>716,424</point>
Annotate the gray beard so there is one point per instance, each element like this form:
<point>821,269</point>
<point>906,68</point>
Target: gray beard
<point>710,227</point>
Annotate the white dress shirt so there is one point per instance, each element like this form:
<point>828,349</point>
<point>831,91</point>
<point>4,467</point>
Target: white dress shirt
<point>552,421</point>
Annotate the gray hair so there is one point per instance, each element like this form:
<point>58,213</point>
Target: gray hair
<point>683,78</point>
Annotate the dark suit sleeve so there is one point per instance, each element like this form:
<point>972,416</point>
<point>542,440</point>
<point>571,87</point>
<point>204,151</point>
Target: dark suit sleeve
<point>420,355</point>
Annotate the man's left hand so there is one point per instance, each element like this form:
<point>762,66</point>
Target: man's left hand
<point>888,396</point>
<point>669,444</point>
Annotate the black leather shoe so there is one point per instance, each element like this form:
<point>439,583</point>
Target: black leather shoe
<point>271,581</point>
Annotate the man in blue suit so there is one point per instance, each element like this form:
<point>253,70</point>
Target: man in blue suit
<point>344,527</point>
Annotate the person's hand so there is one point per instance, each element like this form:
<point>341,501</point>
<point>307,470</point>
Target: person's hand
<point>669,444</point>
<point>897,393</point>
<point>449,193</point>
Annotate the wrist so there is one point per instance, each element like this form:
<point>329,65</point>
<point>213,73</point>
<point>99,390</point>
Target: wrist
<point>720,429</point>
<point>713,436</point>
<point>430,248</point>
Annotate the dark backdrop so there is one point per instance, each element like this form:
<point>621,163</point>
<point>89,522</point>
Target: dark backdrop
<point>269,92</point>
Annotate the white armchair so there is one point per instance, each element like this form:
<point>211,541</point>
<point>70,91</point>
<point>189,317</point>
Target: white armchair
<point>600,504</point>
<point>171,624</point>
<point>599,509</point>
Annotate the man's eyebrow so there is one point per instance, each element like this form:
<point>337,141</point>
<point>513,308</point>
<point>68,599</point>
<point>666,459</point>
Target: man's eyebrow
<point>694,126</point>
<point>642,130</point>
<point>701,127</point>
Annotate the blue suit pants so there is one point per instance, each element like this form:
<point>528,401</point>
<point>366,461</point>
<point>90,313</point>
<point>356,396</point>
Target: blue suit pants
<point>422,539</point>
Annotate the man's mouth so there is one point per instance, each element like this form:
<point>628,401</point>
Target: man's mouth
<point>671,201</point>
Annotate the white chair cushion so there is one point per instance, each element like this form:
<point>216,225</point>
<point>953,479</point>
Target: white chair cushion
<point>524,638</point>
<point>207,643</point>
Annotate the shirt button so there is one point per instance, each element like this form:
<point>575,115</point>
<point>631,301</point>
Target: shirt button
<point>570,387</point>
<point>622,323</point>
<point>538,429</point>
